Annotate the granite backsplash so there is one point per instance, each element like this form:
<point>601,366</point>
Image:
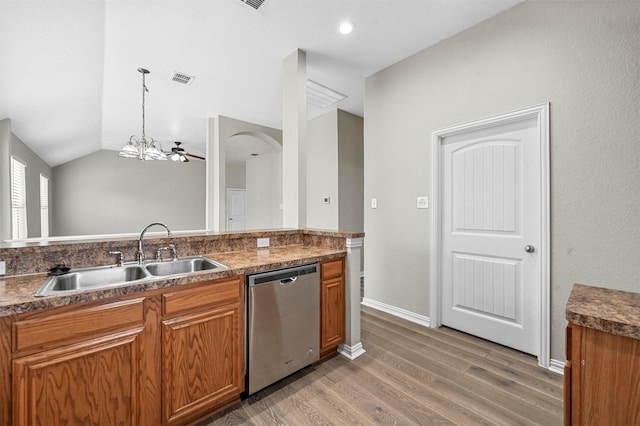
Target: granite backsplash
<point>32,258</point>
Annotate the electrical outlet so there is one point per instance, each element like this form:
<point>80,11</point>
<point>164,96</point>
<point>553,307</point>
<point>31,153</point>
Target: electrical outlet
<point>3,268</point>
<point>263,242</point>
<point>423,202</point>
<point>374,203</point>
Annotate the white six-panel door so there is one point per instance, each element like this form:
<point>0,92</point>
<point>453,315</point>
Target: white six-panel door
<point>491,227</point>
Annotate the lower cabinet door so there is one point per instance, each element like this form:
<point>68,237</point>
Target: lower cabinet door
<point>332,314</point>
<point>93,382</point>
<point>202,362</point>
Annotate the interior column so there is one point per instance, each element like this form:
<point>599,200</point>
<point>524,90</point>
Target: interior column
<point>294,140</point>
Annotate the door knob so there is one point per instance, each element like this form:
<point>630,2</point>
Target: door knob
<point>529,249</point>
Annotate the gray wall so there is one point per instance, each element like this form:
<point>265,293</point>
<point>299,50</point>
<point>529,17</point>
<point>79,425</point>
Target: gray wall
<point>35,167</point>
<point>581,57</point>
<point>322,171</point>
<point>102,193</point>
<point>351,171</point>
<point>335,169</point>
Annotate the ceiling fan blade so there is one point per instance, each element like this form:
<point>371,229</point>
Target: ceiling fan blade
<point>194,156</point>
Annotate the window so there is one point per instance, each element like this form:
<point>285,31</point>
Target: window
<point>44,206</point>
<point>18,200</point>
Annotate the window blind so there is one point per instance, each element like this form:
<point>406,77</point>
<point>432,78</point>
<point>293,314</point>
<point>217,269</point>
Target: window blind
<point>44,206</point>
<point>18,200</point>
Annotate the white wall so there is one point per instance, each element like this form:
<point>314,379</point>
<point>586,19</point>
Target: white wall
<point>5,178</point>
<point>236,176</point>
<point>583,58</point>
<point>322,171</point>
<point>264,191</point>
<point>102,193</point>
<point>294,138</point>
<point>219,129</point>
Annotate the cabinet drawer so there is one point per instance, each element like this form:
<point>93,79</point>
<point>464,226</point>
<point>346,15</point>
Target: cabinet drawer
<point>332,269</point>
<point>59,329</point>
<point>227,290</point>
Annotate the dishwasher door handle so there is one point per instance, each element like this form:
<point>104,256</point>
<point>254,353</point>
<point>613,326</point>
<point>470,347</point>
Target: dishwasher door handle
<point>288,281</point>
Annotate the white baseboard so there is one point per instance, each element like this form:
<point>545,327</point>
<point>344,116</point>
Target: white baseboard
<point>351,352</point>
<point>556,366</point>
<point>398,312</point>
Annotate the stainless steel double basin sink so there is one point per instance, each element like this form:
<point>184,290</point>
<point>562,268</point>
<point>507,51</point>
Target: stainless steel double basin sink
<point>113,276</point>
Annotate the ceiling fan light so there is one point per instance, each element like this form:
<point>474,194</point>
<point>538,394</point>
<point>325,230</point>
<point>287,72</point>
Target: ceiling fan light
<point>184,159</point>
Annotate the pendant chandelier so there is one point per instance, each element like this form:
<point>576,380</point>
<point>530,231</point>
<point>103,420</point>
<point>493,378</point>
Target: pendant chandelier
<point>142,148</point>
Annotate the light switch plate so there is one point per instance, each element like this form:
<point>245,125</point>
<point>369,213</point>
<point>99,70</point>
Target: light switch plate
<point>3,268</point>
<point>374,203</point>
<point>263,242</point>
<point>423,202</point>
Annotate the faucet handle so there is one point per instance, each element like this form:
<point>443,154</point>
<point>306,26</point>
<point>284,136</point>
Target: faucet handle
<point>169,247</point>
<point>120,256</point>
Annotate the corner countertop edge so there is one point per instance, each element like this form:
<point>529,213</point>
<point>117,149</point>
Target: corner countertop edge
<point>604,309</point>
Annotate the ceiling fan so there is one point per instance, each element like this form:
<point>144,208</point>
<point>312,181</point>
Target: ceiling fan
<point>179,154</point>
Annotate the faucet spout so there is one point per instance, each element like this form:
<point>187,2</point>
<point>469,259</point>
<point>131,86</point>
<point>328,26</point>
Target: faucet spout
<point>140,253</point>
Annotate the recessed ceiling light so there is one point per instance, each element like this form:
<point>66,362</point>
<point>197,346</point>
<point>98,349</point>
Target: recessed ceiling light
<point>345,28</point>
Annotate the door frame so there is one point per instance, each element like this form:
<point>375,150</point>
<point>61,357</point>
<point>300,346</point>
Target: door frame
<point>541,114</point>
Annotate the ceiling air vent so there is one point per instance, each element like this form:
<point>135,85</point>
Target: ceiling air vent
<point>321,96</point>
<point>256,4</point>
<point>180,77</point>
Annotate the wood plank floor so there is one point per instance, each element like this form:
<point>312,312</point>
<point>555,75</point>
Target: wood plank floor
<point>410,375</point>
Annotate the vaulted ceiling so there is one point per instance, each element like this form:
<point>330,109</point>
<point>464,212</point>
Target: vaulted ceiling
<point>68,68</point>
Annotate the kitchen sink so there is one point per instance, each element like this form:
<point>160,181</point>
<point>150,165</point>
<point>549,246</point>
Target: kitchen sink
<point>182,266</point>
<point>112,276</point>
<point>92,279</point>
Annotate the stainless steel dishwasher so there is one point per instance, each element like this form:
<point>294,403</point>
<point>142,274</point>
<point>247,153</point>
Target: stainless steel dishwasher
<point>283,324</point>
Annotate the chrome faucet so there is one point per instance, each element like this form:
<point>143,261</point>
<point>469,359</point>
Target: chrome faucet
<point>140,253</point>
<point>120,256</point>
<point>171,247</point>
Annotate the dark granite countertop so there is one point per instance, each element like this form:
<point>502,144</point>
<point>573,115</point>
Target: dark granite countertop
<point>17,293</point>
<point>612,311</point>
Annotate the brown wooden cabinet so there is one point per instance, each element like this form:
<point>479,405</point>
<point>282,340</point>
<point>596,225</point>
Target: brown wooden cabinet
<point>83,366</point>
<point>332,305</point>
<point>202,349</point>
<point>602,378</point>
<point>160,357</point>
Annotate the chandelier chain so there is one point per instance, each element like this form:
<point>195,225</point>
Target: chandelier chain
<point>144,89</point>
<point>143,148</point>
